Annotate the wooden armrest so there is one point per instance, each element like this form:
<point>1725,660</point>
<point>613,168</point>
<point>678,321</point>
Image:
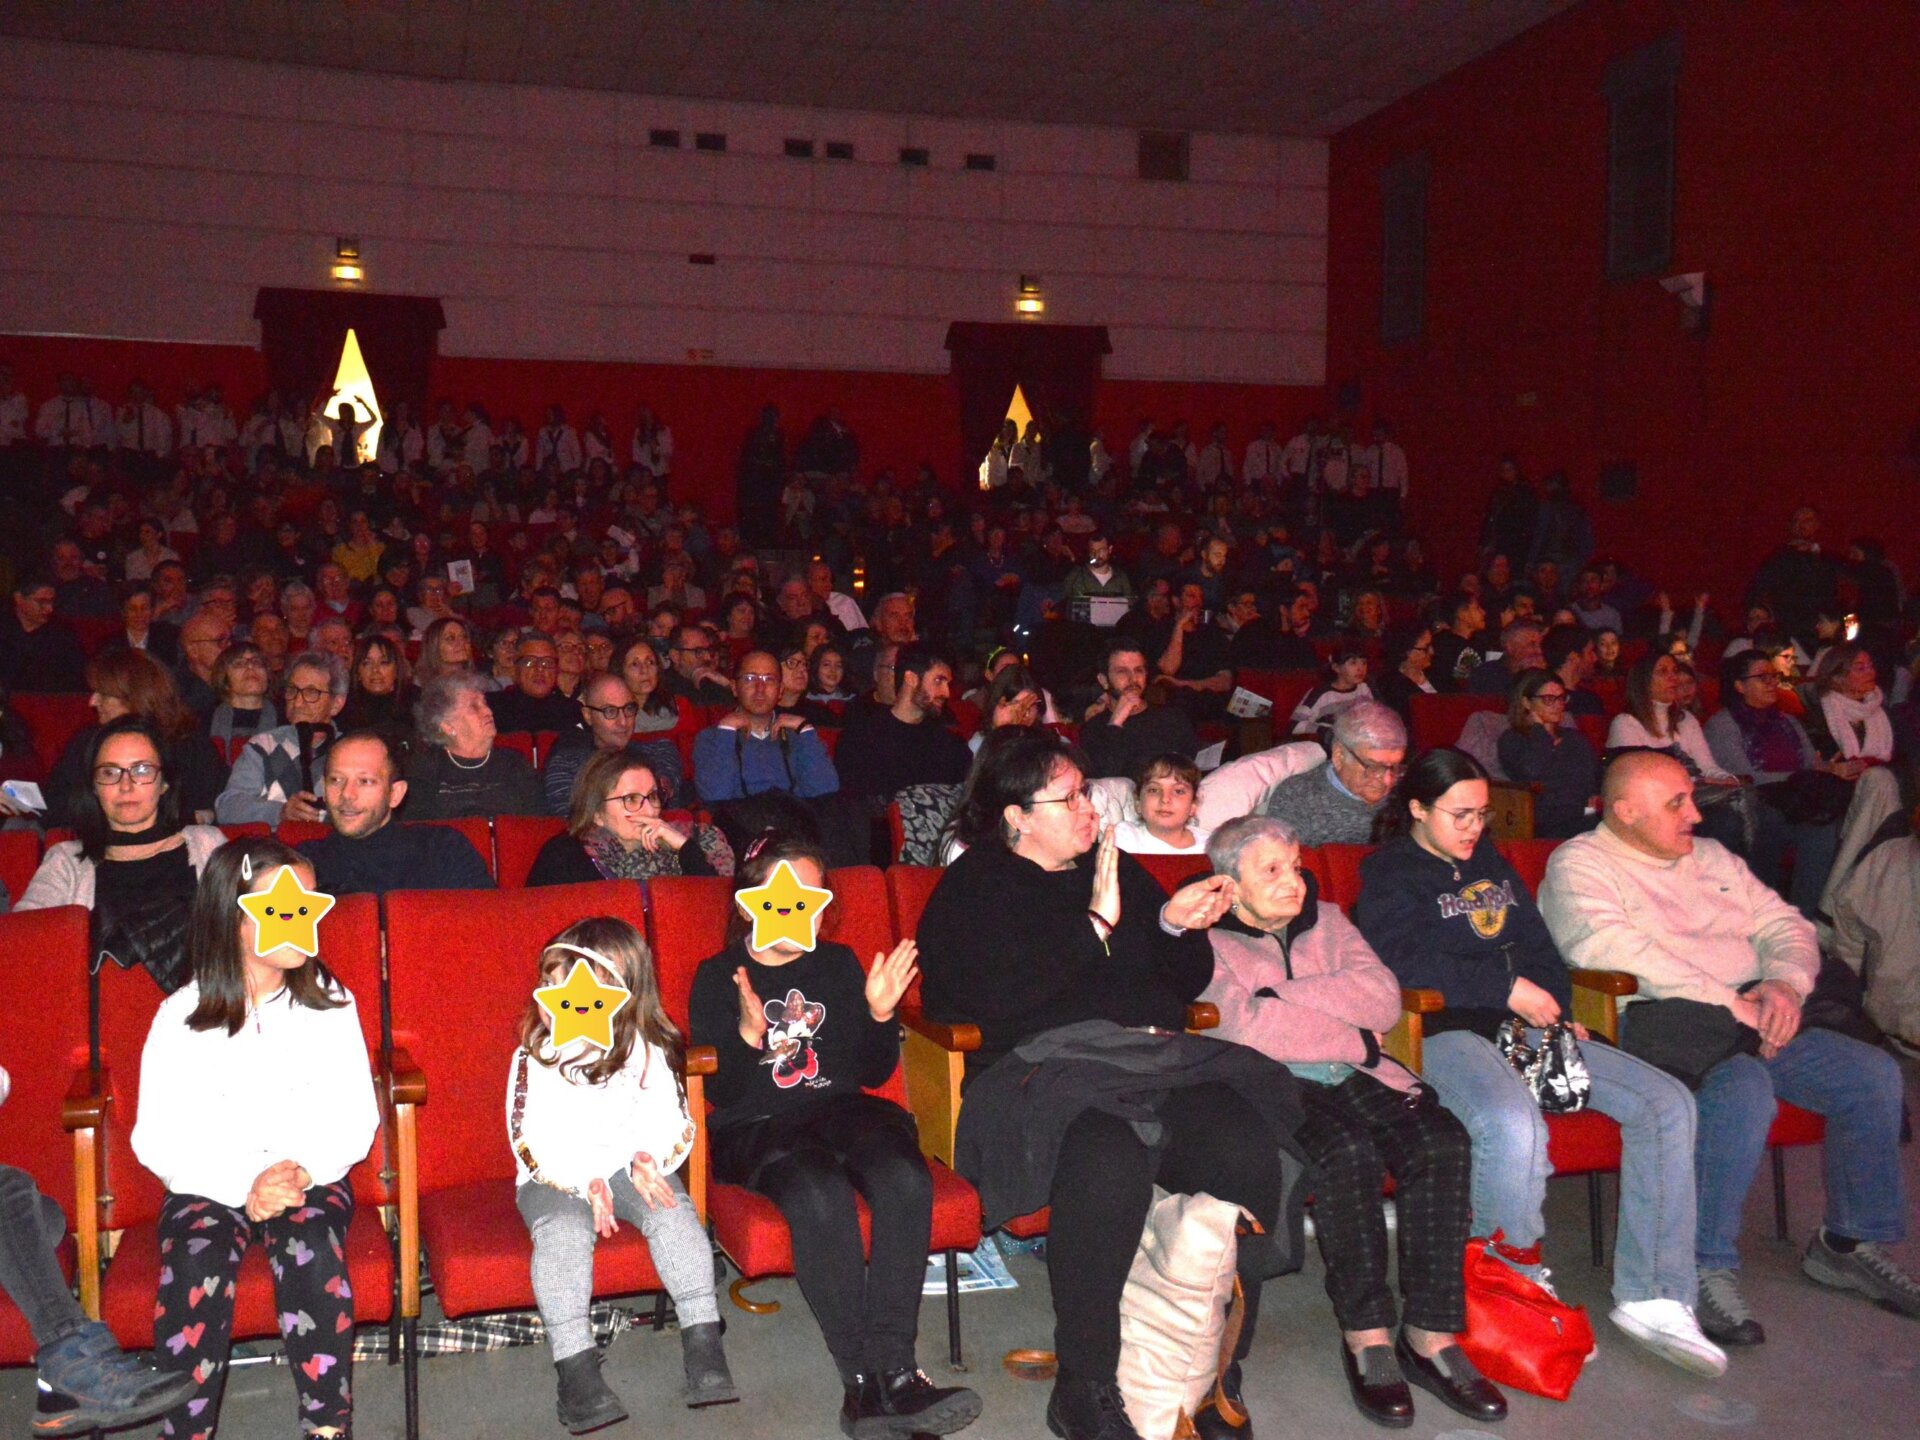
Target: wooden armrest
<point>1422,1002</point>
<point>961,1039</point>
<point>1607,982</point>
<point>85,1104</point>
<point>1202,1015</point>
<point>702,1060</point>
<point>408,1083</point>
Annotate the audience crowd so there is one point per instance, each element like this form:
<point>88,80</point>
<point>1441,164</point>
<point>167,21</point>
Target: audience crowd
<point>275,622</point>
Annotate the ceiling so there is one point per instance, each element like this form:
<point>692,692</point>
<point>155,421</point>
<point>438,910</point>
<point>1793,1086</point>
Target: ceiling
<point>1278,67</point>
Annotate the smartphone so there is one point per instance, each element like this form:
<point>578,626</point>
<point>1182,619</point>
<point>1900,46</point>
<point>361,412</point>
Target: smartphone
<point>1852,623</point>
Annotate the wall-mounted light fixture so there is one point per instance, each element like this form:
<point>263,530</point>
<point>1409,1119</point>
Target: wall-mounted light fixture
<point>1029,302</point>
<point>346,261</point>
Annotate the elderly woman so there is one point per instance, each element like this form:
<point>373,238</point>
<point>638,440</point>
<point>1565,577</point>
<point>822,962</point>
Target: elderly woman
<point>456,770</point>
<point>1040,938</point>
<point>1293,979</point>
<point>134,865</point>
<point>131,682</point>
<point>241,679</point>
<point>616,831</point>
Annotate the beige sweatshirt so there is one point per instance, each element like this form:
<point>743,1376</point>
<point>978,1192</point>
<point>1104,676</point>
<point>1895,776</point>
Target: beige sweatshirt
<point>1697,928</point>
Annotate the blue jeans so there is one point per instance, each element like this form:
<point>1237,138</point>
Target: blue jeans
<point>1856,1087</point>
<point>1653,1253</point>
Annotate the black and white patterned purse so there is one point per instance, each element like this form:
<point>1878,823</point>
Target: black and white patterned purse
<point>1555,1070</point>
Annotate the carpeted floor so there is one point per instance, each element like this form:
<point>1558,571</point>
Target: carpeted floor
<point>1833,1367</point>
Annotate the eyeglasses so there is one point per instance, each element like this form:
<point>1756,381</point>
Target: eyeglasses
<point>111,777</point>
<point>1761,677</point>
<point>1555,697</point>
<point>1375,769</point>
<point>1467,819</point>
<point>757,677</point>
<point>309,694</point>
<point>537,662</point>
<point>693,649</point>
<point>636,800</point>
<point>612,712</point>
<point>1078,799</point>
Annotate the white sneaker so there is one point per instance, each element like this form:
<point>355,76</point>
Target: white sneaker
<point>1668,1329</point>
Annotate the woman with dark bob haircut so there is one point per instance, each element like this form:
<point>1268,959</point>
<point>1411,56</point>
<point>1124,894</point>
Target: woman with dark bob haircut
<point>1044,935</point>
<point>255,1102</point>
<point>135,866</point>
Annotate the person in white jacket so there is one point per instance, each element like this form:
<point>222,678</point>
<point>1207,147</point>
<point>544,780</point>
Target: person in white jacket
<point>256,1099</point>
<point>600,1136</point>
<point>1685,916</point>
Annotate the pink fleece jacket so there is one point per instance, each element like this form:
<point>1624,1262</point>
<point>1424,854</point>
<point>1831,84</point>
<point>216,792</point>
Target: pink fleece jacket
<point>1332,999</point>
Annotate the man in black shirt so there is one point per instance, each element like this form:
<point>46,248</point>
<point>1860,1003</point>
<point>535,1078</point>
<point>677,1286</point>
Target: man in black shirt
<point>1123,730</point>
<point>1278,642</point>
<point>369,855</point>
<point>885,751</point>
<point>37,652</point>
<point>534,703</point>
<point>1194,656</point>
<point>694,677</point>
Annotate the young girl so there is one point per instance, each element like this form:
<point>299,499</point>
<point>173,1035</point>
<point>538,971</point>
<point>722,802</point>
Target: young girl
<point>598,1137</point>
<point>1167,791</point>
<point>799,1034</point>
<point>255,1101</point>
<point>1346,686</point>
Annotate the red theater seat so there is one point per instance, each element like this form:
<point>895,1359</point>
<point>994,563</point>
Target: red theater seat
<point>517,842</point>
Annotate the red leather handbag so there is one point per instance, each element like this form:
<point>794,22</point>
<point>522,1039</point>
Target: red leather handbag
<point>1518,1334</point>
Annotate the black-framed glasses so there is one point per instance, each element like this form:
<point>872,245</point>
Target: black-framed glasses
<point>1375,769</point>
<point>636,800</point>
<point>309,694</point>
<point>111,777</point>
<point>612,712</point>
<point>1081,797</point>
<point>1555,697</point>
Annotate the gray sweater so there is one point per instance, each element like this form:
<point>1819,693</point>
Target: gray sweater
<point>1320,811</point>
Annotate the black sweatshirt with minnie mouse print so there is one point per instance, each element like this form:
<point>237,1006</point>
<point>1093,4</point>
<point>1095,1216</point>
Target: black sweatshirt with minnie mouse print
<point>821,1038</point>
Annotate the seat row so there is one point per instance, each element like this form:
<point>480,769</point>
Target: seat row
<point>441,979</point>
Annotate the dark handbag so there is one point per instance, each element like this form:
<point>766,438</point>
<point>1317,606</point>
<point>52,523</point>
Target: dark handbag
<point>151,932</point>
<point>1685,1038</point>
<point>1809,797</point>
<point>1555,1070</point>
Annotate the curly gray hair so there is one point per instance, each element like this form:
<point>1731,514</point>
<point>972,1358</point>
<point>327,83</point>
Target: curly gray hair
<point>1227,844</point>
<point>437,701</point>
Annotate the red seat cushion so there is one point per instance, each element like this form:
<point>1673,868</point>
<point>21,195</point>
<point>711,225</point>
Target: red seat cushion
<point>1025,1227</point>
<point>750,1229</point>
<point>1794,1126</point>
<point>480,1254</point>
<point>1582,1143</point>
<point>133,1279</point>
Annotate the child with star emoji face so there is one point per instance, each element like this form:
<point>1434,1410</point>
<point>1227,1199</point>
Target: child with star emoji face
<point>802,1033</point>
<point>256,1099</point>
<point>600,1132</point>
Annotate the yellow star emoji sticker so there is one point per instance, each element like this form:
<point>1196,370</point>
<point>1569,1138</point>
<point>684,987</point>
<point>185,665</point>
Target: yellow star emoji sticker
<point>287,915</point>
<point>582,1008</point>
<point>783,909</point>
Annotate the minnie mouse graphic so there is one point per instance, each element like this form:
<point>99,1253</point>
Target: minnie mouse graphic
<point>791,1025</point>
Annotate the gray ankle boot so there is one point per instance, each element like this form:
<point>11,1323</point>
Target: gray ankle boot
<point>586,1401</point>
<point>709,1382</point>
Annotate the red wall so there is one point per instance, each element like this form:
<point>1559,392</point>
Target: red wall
<point>901,419</point>
<point>1797,145</point>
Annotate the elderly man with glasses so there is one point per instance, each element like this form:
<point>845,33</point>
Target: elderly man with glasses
<point>534,701</point>
<point>280,774</point>
<point>694,676</point>
<point>1336,803</point>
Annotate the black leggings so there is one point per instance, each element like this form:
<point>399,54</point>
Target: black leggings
<point>1217,1144</point>
<point>867,1302</point>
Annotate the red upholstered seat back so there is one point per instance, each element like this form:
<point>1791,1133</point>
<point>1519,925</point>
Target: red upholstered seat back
<point>477,830</point>
<point>1438,719</point>
<point>461,969</point>
<point>1339,871</point>
<point>518,741</point>
<point>52,720</point>
<point>1530,858</point>
<point>350,946</point>
<point>1285,688</point>
<point>19,858</point>
<point>1173,871</point>
<point>43,1041</point>
<point>909,887</point>
<point>517,840</point>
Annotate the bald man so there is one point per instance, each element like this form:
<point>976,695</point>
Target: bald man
<point>1685,916</point>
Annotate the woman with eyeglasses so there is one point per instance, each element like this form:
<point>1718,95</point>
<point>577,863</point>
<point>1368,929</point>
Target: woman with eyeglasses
<point>1540,748</point>
<point>1446,911</point>
<point>134,865</point>
<point>660,714</point>
<point>132,682</point>
<point>615,831</point>
<point>1406,656</point>
<point>1044,935</point>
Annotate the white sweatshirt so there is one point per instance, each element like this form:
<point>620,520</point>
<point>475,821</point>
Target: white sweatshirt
<point>1684,735</point>
<point>217,1109</point>
<point>1697,928</point>
<point>580,1132</point>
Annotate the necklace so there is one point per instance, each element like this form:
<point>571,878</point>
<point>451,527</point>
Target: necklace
<point>460,764</point>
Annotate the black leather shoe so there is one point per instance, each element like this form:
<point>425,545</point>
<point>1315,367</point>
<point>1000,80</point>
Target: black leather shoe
<point>1458,1384</point>
<point>913,1405</point>
<point>1379,1389</point>
<point>1215,1422</point>
<point>856,1405</point>
<point>1089,1410</point>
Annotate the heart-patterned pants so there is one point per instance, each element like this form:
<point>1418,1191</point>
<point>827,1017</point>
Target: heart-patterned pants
<point>201,1245</point>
